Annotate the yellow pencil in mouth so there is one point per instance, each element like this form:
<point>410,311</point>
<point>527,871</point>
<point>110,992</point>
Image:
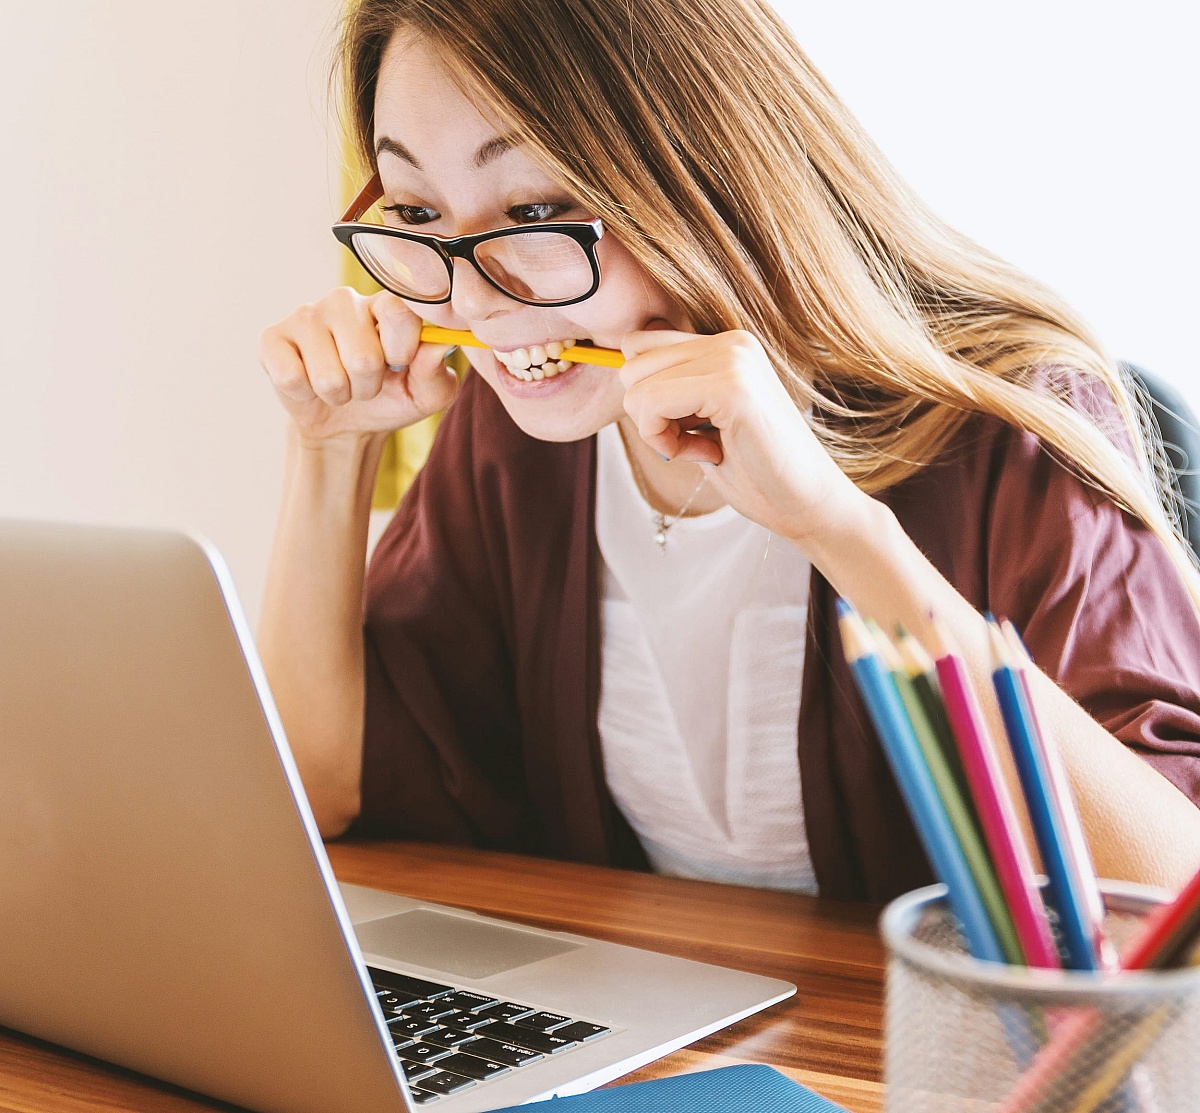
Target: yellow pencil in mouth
<point>601,357</point>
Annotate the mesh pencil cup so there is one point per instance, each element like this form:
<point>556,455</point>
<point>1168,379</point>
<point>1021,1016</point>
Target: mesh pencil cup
<point>965,1036</point>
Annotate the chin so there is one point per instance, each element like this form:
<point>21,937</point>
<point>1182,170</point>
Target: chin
<point>570,407</point>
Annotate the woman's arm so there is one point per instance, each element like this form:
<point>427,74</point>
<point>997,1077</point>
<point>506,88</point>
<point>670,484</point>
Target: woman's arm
<point>310,632</point>
<point>1140,827</point>
<point>770,466</point>
<point>348,369</point>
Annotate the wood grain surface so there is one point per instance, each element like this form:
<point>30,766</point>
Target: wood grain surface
<point>827,1036</point>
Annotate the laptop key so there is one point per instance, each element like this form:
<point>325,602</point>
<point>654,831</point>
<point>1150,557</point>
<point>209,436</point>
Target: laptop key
<point>422,1053</point>
<point>403,983</point>
<point>400,1039</point>
<point>582,1031</point>
<point>450,1037</point>
<point>414,1072</point>
<point>422,1097</point>
<point>505,1052</point>
<point>509,1010</point>
<point>543,1022</point>
<point>470,1002</point>
<point>427,1010</point>
<point>526,1037</point>
<point>443,1083</point>
<point>467,1022</point>
<point>394,1003</point>
<point>459,1018</point>
<point>472,1067</point>
<point>413,1028</point>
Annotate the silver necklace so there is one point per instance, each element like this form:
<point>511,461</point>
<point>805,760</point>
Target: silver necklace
<point>662,522</point>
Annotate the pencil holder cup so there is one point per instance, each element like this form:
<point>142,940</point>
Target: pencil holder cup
<point>977,1037</point>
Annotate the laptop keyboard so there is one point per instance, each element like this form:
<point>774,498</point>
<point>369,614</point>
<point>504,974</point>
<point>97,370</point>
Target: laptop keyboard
<point>449,1039</point>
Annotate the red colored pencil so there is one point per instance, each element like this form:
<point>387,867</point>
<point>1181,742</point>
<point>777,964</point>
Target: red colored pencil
<point>1170,934</point>
<point>1168,938</point>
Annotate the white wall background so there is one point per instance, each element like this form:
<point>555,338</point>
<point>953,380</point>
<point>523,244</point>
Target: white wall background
<point>165,193</point>
<point>1061,134</point>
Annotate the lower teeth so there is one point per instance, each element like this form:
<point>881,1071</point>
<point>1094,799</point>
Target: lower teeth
<point>548,370</point>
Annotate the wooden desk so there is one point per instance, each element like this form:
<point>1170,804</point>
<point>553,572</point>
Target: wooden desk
<point>828,1036</point>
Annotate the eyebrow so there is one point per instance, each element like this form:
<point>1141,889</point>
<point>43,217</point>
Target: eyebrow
<point>490,151</point>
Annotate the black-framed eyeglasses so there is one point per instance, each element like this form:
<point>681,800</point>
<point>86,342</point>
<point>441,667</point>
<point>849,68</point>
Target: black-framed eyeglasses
<point>548,264</point>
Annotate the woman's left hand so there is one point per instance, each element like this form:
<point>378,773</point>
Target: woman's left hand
<point>770,466</point>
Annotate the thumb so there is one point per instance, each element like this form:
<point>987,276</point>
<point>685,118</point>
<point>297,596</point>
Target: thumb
<point>398,326</point>
<point>430,382</point>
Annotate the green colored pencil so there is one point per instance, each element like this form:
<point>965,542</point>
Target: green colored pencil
<point>923,673</point>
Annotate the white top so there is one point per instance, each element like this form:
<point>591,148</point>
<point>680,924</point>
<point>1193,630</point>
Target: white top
<point>701,663</point>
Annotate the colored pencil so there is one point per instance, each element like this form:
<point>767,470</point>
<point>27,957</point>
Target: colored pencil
<point>923,673</point>
<point>994,804</point>
<point>1170,935</point>
<point>1060,785</point>
<point>1079,930</point>
<point>961,820</point>
<point>1116,1063</point>
<point>1169,938</point>
<point>601,357</point>
<point>903,753</point>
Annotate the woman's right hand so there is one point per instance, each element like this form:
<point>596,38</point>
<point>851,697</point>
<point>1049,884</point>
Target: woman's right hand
<point>329,363</point>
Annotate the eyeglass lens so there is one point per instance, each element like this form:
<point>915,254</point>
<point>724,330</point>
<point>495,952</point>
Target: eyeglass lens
<point>532,266</point>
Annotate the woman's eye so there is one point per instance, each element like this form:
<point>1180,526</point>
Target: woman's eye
<point>412,214</point>
<point>532,214</point>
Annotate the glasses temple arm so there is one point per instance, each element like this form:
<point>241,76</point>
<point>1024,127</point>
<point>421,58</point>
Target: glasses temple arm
<point>365,198</point>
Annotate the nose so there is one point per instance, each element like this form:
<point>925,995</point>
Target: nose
<point>473,297</point>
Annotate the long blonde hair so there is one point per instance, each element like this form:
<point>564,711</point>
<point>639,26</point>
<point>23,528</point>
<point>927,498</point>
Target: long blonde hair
<point>711,147</point>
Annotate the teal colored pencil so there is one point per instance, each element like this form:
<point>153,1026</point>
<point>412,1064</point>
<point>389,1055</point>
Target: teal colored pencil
<point>958,813</point>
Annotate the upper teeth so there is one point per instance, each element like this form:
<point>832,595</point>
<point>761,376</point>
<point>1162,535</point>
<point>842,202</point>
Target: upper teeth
<point>538,362</point>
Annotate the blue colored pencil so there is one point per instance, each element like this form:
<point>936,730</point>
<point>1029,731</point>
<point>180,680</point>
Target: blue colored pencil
<point>916,784</point>
<point>1078,853</point>
<point>1050,829</point>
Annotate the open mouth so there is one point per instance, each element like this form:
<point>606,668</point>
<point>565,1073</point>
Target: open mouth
<point>538,362</point>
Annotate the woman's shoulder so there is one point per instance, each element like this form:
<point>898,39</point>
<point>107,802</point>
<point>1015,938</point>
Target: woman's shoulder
<point>1003,514</point>
<point>988,450</point>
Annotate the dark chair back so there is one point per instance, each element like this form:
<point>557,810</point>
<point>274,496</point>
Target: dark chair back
<point>1181,439</point>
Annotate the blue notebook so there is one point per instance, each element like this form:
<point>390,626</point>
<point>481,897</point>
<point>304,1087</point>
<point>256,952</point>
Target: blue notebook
<point>724,1090</point>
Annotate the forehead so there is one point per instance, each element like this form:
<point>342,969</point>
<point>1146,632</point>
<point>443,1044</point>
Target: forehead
<point>418,104</point>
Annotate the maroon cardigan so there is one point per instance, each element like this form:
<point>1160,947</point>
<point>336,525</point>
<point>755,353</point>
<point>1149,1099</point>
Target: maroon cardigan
<point>482,637</point>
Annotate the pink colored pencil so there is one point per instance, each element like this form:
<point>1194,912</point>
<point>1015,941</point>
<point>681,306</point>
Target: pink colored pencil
<point>997,814</point>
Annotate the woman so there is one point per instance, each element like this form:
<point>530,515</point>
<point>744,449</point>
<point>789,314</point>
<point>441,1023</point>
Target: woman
<point>597,618</point>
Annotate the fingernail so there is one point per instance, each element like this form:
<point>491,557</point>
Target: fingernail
<point>707,464</point>
<point>397,366</point>
<point>664,459</point>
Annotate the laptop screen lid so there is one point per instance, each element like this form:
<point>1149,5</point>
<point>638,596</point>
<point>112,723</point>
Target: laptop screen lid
<point>164,889</point>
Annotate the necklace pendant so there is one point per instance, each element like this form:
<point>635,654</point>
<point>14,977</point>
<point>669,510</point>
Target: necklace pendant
<point>660,533</point>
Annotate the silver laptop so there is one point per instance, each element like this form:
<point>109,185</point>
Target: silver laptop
<point>166,902</point>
